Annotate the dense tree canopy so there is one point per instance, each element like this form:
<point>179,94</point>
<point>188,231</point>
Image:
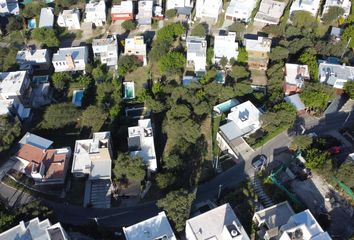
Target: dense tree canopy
<point>171,13</point>
<point>170,32</point>
<point>301,142</point>
<point>130,168</point>
<point>349,88</point>
<point>316,158</point>
<point>129,25</point>
<point>279,53</point>
<point>127,64</point>
<point>177,205</point>
<point>239,72</point>
<point>316,96</point>
<point>14,24</point>
<point>60,115</point>
<point>46,36</point>
<point>10,130</point>
<point>61,80</point>
<point>199,30</point>
<point>348,36</point>
<point>94,117</point>
<point>311,61</point>
<point>172,63</point>
<point>32,9</point>
<point>332,14</point>
<point>303,19</point>
<point>7,58</point>
<point>109,97</point>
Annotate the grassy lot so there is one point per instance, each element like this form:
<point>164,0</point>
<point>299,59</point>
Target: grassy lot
<point>263,140</point>
<point>76,193</point>
<point>206,131</point>
<point>139,77</point>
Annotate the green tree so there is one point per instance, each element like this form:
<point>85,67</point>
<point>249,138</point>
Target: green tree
<point>10,130</point>
<point>199,30</point>
<point>278,53</point>
<point>239,72</point>
<point>223,62</point>
<point>173,161</point>
<point>177,205</point>
<point>14,24</point>
<point>46,37</point>
<point>333,13</point>
<point>316,158</point>
<point>165,180</point>
<point>61,80</point>
<point>349,88</point>
<point>170,32</point>
<point>7,58</point>
<point>283,114</point>
<point>316,96</point>
<point>129,25</point>
<point>311,61</point>
<point>172,63</point>
<point>94,117</point>
<point>65,3</point>
<point>130,168</point>
<point>98,74</point>
<point>84,81</point>
<point>348,36</point>
<point>32,9</point>
<point>303,19</point>
<point>171,13</point>
<point>60,115</point>
<point>238,27</point>
<point>159,49</point>
<point>210,54</point>
<point>127,64</point>
<point>301,142</point>
<point>108,96</point>
<point>242,55</point>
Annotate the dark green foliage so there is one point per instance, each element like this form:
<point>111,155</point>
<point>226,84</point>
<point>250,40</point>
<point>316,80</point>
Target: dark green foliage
<point>7,58</point>
<point>159,49</point>
<point>129,25</point>
<point>14,24</point>
<point>311,61</point>
<point>349,34</point>
<point>239,72</point>
<point>171,13</point>
<point>170,32</point>
<point>46,37</point>
<point>279,53</point>
<point>281,115</point>
<point>199,30</point>
<point>61,80</point>
<point>177,205</point>
<point>94,117</point>
<point>301,142</point>
<point>127,64</point>
<point>65,3</point>
<point>109,97</point>
<point>239,28</point>
<point>349,88</point>
<point>32,9</point>
<point>10,129</point>
<point>303,19</point>
<point>129,168</point>
<point>316,96</point>
<point>332,14</point>
<point>60,115</point>
<point>172,63</point>
<point>316,158</point>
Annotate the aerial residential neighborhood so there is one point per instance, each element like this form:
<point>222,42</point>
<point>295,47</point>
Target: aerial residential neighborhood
<point>176,119</point>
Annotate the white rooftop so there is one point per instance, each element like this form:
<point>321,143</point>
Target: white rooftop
<point>29,55</point>
<point>259,44</point>
<point>238,6</point>
<point>270,11</point>
<point>150,229</point>
<point>124,7</point>
<point>46,18</point>
<point>218,223</point>
<point>141,141</point>
<point>226,46</point>
<point>296,72</point>
<point>11,82</point>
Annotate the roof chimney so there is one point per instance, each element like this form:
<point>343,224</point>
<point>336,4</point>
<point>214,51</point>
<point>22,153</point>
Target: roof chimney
<point>69,60</point>
<point>22,226</point>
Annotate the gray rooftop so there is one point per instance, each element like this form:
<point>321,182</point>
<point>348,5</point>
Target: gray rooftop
<point>46,18</point>
<point>34,140</point>
<point>329,72</point>
<point>295,101</point>
<point>196,45</point>
<point>77,53</point>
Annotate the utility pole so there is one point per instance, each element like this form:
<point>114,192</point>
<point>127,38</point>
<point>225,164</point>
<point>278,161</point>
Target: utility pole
<point>220,186</point>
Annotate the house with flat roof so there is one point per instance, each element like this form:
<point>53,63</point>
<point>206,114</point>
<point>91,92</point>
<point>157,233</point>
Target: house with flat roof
<point>145,9</point>
<point>33,59</point>
<point>8,7</point>
<point>69,19</point>
<point>304,226</point>
<point>218,223</point>
<point>270,12</point>
<point>196,53</point>
<point>176,4</point>
<point>243,120</point>
<point>240,10</point>
<point>35,159</point>
<point>141,143</point>
<point>257,48</point>
<point>70,59</point>
<point>225,46</point>
<point>269,220</point>
<point>35,229</point>
<point>136,46</point>
<point>208,10</point>
<point>106,50</point>
<point>15,91</point>
<point>95,12</point>
<point>311,6</point>
<point>122,12</point>
<point>295,76</point>
<point>154,228</point>
<point>93,159</point>
<point>344,4</point>
<point>334,74</point>
<point>46,18</point>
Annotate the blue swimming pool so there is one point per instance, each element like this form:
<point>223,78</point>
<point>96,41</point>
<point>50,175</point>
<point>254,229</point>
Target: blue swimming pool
<point>220,77</point>
<point>77,97</point>
<point>226,106</point>
<point>32,23</point>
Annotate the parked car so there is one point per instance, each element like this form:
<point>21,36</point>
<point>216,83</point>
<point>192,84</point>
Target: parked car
<point>259,161</point>
<point>335,150</point>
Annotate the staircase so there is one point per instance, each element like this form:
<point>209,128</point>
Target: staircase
<point>258,189</point>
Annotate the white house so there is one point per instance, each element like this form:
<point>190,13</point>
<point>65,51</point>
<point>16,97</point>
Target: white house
<point>196,53</point>
<point>46,19</point>
<point>141,143</point>
<point>46,166</point>
<point>95,12</point>
<point>154,228</point>
<point>240,10</point>
<point>335,74</point>
<point>218,223</point>
<point>37,59</point>
<point>303,225</point>
<point>124,11</point>
<point>35,229</point>
<point>9,7</point>
<point>345,4</point>
<point>175,4</point>
<point>69,19</point>
<point>144,16</point>
<point>311,6</point>
<point>136,46</point>
<point>15,92</point>
<point>243,120</point>
<point>225,46</point>
<point>106,50</point>
<point>208,10</point>
<point>270,12</point>
<point>93,158</point>
<point>70,59</point>
<point>295,76</point>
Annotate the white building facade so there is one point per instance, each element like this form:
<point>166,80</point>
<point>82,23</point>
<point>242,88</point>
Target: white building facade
<point>240,10</point>
<point>95,12</point>
<point>106,50</point>
<point>196,53</point>
<point>225,46</point>
<point>208,9</point>
<point>311,6</point>
<point>69,19</point>
<point>30,60</point>
<point>136,46</point>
